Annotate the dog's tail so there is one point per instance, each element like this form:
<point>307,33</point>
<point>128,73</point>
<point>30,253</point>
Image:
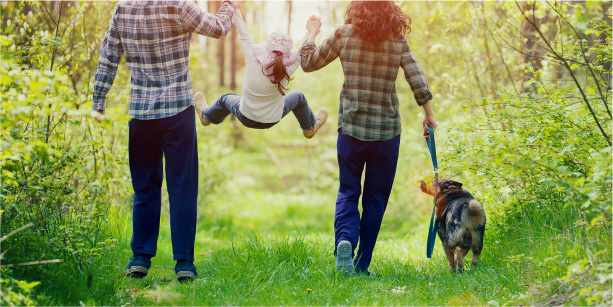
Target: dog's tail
<point>476,214</point>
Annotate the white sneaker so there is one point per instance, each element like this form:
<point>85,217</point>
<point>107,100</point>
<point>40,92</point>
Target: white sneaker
<point>201,105</point>
<point>321,116</point>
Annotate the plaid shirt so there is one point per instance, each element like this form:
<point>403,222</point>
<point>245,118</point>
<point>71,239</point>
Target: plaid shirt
<point>155,38</point>
<point>369,108</point>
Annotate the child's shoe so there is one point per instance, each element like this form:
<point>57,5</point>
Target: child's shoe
<point>321,115</point>
<point>201,105</point>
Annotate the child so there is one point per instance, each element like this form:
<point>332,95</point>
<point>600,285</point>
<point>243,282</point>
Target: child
<point>269,66</point>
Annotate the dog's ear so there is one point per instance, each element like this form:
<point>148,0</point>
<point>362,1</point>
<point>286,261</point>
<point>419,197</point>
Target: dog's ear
<point>454,184</point>
<point>444,185</point>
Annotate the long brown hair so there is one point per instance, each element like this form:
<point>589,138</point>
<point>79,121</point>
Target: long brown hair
<point>279,72</point>
<point>376,21</point>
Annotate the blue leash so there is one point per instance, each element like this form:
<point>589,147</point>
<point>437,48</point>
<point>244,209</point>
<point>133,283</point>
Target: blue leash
<point>433,224</point>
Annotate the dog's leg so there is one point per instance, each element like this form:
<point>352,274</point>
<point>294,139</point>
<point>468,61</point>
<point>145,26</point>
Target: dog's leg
<point>475,256</point>
<point>450,259</point>
<point>460,258</point>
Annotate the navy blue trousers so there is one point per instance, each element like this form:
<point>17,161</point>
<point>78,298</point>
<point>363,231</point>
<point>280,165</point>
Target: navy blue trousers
<point>380,159</point>
<point>150,140</point>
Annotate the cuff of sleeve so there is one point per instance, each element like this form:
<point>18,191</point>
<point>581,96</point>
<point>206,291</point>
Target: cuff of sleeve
<point>422,96</point>
<point>307,47</point>
<point>99,103</point>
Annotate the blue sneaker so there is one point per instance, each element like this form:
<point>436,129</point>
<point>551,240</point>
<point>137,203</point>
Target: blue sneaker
<point>343,257</point>
<point>186,270</point>
<point>138,266</point>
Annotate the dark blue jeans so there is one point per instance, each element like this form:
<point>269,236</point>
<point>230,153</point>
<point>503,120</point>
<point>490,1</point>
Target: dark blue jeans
<point>175,139</point>
<point>380,159</point>
<point>293,101</point>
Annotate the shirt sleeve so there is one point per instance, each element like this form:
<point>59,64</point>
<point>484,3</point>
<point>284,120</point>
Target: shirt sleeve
<point>415,75</point>
<point>110,57</point>
<point>198,21</point>
<point>244,37</point>
<point>314,58</point>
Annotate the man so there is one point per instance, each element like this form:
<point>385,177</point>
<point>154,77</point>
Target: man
<point>155,38</point>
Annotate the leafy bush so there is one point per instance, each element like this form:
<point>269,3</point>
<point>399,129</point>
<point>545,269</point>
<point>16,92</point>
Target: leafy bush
<point>544,172</point>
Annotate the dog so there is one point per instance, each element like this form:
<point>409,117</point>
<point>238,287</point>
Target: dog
<point>461,221</point>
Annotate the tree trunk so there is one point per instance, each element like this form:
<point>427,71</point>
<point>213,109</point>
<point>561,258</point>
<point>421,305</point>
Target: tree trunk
<point>289,16</point>
<point>221,56</point>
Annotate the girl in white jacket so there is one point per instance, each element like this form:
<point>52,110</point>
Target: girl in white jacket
<point>269,66</point>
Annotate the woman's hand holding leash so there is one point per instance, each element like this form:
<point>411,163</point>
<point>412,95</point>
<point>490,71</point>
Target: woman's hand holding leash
<point>429,120</point>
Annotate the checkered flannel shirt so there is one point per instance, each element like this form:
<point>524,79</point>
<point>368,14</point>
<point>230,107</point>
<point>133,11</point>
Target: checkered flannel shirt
<point>369,108</point>
<point>155,38</point>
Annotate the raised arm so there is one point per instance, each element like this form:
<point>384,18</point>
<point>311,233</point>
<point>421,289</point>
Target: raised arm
<point>244,38</point>
<point>110,57</point>
<point>313,57</point>
<point>198,21</point>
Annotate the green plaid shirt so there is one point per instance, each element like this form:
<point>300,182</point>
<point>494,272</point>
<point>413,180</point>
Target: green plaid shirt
<point>369,108</point>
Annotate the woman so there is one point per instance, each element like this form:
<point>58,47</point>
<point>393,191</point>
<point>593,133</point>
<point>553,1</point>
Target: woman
<point>372,47</point>
<point>265,98</point>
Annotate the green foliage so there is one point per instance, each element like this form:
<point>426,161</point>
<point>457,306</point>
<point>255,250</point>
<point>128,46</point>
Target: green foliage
<point>543,170</point>
<point>59,173</point>
<point>16,292</point>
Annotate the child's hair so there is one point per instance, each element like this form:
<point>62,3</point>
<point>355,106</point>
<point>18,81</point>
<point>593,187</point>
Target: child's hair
<point>279,73</point>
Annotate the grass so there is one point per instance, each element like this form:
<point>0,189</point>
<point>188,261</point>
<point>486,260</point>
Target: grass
<point>265,237</point>
<point>299,271</point>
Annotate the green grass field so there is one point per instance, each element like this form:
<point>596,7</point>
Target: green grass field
<point>265,237</point>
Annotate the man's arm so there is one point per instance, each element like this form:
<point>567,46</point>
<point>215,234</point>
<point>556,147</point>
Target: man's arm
<point>198,21</point>
<point>110,57</point>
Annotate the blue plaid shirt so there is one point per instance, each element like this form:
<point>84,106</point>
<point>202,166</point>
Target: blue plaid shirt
<point>155,38</point>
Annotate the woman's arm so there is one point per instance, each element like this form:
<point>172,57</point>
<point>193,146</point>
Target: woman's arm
<point>419,85</point>
<point>415,75</point>
<point>429,120</point>
<point>244,37</point>
<point>313,57</point>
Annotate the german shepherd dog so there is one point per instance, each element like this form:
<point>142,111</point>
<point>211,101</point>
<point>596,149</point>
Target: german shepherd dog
<point>461,221</point>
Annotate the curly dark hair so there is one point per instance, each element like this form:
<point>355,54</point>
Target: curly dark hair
<point>377,21</point>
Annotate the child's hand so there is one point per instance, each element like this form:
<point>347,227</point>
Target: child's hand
<point>313,24</point>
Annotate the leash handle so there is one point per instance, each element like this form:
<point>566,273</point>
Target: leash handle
<point>433,223</point>
<point>432,148</point>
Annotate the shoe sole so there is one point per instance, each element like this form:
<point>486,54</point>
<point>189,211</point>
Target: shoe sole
<point>136,271</point>
<point>186,276</point>
<point>343,257</point>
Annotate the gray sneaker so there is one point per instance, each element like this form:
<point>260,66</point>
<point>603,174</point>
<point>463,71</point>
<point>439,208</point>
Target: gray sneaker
<point>344,261</point>
<point>138,266</point>
<point>186,270</point>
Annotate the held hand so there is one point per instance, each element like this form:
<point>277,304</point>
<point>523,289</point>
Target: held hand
<point>313,24</point>
<point>99,116</point>
<point>429,121</point>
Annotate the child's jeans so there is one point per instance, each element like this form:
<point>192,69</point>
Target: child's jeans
<point>229,103</point>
